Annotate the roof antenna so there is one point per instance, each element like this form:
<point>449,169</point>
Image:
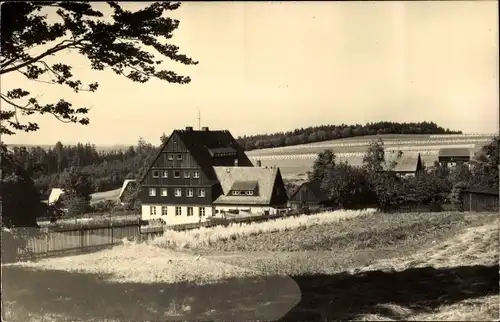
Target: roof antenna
<point>199,119</point>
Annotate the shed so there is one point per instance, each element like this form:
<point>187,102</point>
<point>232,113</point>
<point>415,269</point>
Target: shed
<point>309,195</point>
<point>406,164</point>
<point>453,155</point>
<point>480,200</point>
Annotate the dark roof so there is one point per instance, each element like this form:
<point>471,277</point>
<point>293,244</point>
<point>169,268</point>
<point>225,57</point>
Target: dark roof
<point>315,187</point>
<point>406,163</point>
<point>244,185</point>
<point>199,144</point>
<point>484,191</point>
<point>454,152</point>
<point>223,150</point>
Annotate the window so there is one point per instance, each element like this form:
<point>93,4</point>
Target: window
<point>164,210</point>
<point>152,192</point>
<point>152,210</point>
<point>190,211</point>
<point>178,211</point>
<point>196,174</point>
<point>249,193</point>
<point>156,174</point>
<point>186,174</point>
<point>201,211</point>
<point>236,193</point>
<point>189,192</point>
<point>164,174</point>
<point>170,156</point>
<point>178,192</point>
<point>201,192</point>
<point>164,192</point>
<point>179,156</point>
<point>177,174</point>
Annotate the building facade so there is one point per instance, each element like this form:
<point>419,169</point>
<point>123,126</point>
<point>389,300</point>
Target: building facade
<point>309,196</point>
<point>181,185</point>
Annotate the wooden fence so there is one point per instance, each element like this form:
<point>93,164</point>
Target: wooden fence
<point>47,242</point>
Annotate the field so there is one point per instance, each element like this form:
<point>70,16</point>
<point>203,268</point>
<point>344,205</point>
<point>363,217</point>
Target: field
<point>295,161</point>
<point>337,266</point>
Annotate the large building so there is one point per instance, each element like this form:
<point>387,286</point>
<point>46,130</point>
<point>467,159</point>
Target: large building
<point>194,169</point>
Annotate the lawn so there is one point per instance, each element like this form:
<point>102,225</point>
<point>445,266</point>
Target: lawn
<point>432,266</point>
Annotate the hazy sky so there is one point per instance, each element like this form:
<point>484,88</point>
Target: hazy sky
<point>271,66</point>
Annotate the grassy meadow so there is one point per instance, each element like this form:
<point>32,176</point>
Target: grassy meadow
<point>359,266</point>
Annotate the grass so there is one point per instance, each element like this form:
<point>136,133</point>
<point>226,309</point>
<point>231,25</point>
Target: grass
<point>432,266</point>
<point>204,237</point>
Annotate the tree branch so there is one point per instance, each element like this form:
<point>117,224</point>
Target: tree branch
<point>50,51</point>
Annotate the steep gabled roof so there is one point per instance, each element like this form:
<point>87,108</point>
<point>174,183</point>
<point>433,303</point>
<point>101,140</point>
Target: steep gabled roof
<point>454,152</point>
<point>405,163</point>
<point>126,183</point>
<point>315,187</point>
<point>264,177</point>
<point>199,144</point>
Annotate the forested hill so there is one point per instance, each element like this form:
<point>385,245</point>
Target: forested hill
<point>109,168</point>
<point>333,132</point>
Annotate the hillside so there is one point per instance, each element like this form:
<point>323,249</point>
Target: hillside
<point>295,161</point>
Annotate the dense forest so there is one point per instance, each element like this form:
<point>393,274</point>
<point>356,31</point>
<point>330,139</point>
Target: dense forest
<point>108,169</point>
<point>333,132</point>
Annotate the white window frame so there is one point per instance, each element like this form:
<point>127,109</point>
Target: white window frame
<point>186,174</point>
<point>249,193</point>
<point>179,157</point>
<point>170,157</point>
<point>178,192</point>
<point>196,174</point>
<point>164,174</point>
<point>152,192</point>
<point>164,210</point>
<point>189,192</point>
<point>152,210</point>
<point>177,171</point>
<point>201,211</point>
<point>178,211</point>
<point>192,211</point>
<point>163,192</point>
<point>236,193</point>
<point>201,192</point>
<point>157,174</point>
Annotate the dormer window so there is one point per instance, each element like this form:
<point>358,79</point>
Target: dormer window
<point>236,193</point>
<point>249,193</point>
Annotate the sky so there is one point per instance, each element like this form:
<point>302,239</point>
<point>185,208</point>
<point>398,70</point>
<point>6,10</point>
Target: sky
<point>274,66</point>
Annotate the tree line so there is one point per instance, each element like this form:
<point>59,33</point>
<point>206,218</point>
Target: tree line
<point>371,185</point>
<point>333,132</point>
<point>107,170</point>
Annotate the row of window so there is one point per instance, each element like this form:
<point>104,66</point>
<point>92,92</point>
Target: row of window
<point>178,211</point>
<point>170,156</point>
<point>238,193</point>
<point>177,192</point>
<point>177,174</point>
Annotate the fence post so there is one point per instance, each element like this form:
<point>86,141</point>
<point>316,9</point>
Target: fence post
<point>112,239</point>
<point>81,239</point>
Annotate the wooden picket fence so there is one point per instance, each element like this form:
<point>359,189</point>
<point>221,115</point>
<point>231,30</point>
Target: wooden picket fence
<point>73,240</point>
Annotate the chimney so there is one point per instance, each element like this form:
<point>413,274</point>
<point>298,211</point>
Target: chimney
<point>205,128</point>
<point>259,163</point>
<point>236,162</point>
<point>189,128</point>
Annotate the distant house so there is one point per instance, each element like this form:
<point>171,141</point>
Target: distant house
<point>181,183</point>
<point>309,195</point>
<point>403,165</point>
<point>55,196</point>
<point>453,156</point>
<point>480,200</point>
<point>128,186</point>
<point>251,190</point>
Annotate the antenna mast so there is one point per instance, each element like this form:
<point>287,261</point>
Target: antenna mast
<point>199,120</point>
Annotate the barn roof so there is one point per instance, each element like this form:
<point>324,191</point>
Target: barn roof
<point>315,187</point>
<point>124,187</point>
<point>454,152</point>
<point>263,177</point>
<point>404,163</point>
<point>55,194</point>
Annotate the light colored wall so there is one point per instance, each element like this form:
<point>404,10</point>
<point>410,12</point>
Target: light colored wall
<point>253,209</point>
<point>171,218</point>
